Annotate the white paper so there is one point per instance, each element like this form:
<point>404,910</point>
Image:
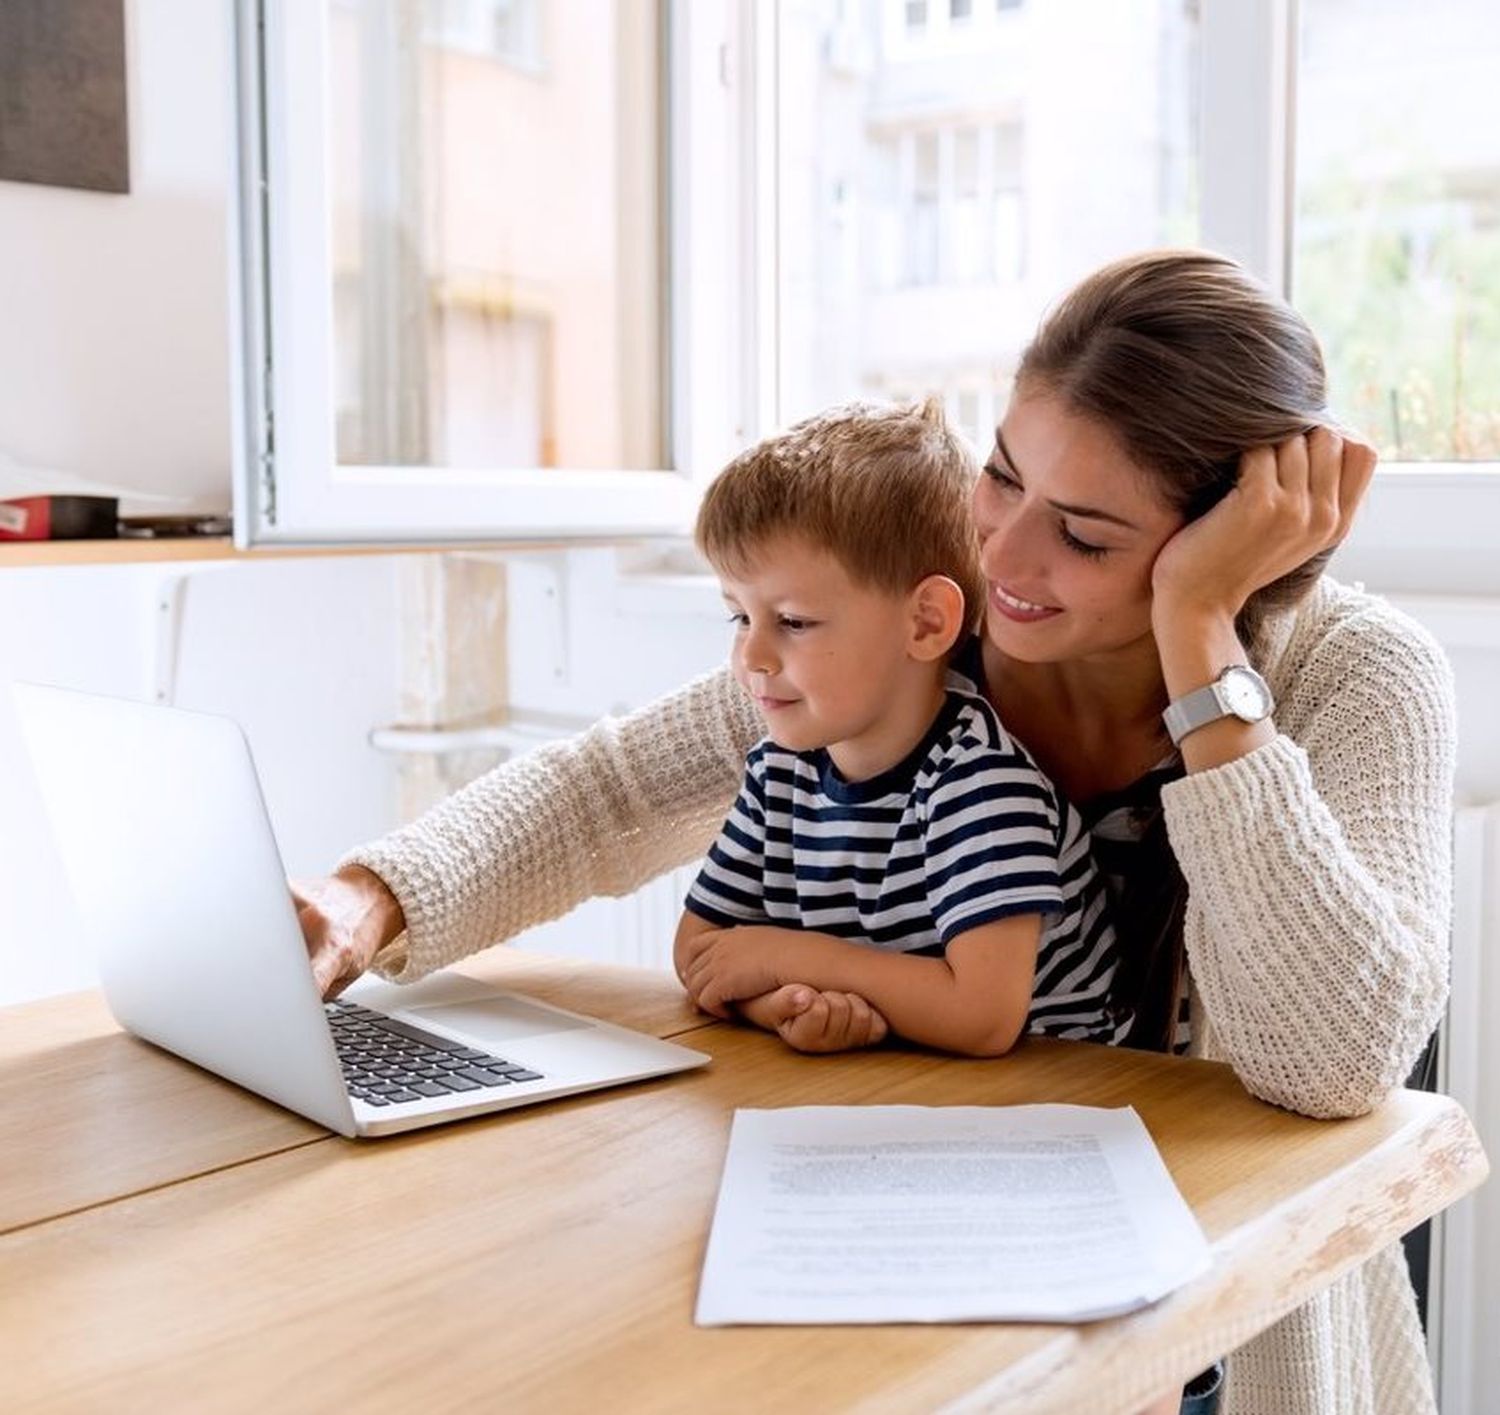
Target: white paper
<point>840,1214</point>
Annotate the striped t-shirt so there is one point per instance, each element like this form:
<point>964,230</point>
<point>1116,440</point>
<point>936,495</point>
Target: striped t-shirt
<point>962,832</point>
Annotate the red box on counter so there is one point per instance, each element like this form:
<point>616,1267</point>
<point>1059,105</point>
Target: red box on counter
<point>60,518</point>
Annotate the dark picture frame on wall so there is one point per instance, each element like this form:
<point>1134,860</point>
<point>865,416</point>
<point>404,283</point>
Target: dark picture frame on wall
<point>63,118</point>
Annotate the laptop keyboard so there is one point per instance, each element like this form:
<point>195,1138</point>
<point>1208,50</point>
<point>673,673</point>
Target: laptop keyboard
<point>386,1061</point>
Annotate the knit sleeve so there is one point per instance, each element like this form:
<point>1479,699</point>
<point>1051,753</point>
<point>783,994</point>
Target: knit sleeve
<point>1319,871</point>
<point>601,813</point>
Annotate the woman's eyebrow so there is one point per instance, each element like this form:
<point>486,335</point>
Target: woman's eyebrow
<point>1087,513</point>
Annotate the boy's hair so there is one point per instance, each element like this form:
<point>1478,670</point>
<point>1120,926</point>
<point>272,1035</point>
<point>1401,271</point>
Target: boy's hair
<point>884,488</point>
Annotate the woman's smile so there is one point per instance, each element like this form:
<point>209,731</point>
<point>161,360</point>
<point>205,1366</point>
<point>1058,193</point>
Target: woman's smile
<point>1013,606</point>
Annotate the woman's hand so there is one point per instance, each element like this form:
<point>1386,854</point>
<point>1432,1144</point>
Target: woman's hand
<point>346,918</point>
<point>1292,501</point>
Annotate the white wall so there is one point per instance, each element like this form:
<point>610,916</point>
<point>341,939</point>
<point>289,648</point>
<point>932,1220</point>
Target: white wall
<point>114,359</point>
<point>114,364</point>
<point>585,641</point>
<point>303,654</point>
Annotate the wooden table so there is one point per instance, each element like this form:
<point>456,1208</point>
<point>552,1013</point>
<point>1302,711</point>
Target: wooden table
<point>547,1259</point>
<point>121,1117</point>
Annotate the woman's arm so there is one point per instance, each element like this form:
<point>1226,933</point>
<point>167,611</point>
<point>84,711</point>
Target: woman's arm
<point>973,1001</point>
<point>1319,866</point>
<point>1318,862</point>
<point>599,814</point>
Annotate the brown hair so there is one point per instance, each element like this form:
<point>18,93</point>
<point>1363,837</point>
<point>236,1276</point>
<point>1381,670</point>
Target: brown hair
<point>883,488</point>
<point>1188,361</point>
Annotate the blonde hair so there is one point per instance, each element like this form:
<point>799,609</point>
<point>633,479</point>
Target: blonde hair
<point>883,488</point>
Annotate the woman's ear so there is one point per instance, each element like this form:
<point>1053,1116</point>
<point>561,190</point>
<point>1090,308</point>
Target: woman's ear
<point>937,618</point>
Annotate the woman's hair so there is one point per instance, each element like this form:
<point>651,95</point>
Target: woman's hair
<point>884,488</point>
<point>1189,361</point>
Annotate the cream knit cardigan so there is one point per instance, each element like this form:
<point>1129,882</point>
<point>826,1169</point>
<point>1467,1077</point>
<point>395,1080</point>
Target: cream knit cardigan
<point>1319,877</point>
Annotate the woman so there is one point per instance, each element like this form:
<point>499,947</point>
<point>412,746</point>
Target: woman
<point>1162,496</point>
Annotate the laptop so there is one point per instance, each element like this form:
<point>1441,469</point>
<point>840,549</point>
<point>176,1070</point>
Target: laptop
<point>163,833</point>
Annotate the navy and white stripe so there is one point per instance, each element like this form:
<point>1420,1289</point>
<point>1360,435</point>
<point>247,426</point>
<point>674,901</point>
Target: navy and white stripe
<point>964,831</point>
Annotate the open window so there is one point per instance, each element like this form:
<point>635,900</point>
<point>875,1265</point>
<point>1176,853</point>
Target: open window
<point>522,270</point>
<point>484,247</point>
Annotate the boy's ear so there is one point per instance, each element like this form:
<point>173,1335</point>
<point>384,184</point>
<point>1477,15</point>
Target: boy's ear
<point>937,618</point>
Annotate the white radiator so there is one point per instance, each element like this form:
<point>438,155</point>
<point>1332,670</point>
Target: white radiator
<point>648,919</point>
<point>1465,1275</point>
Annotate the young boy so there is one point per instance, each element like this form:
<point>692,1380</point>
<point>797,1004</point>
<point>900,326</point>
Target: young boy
<point>893,857</point>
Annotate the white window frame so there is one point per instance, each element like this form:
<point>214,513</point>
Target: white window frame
<point>288,486</point>
<point>1426,526</point>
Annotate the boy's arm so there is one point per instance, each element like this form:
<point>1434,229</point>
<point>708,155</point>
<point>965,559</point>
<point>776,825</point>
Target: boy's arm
<point>815,1021</point>
<point>973,1001</point>
<point>806,1018</point>
<point>690,926</point>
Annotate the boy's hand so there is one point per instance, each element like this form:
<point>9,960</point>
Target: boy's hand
<point>820,1022</point>
<point>722,966</point>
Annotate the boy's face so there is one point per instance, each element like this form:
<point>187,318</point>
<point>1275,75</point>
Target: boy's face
<point>825,658</point>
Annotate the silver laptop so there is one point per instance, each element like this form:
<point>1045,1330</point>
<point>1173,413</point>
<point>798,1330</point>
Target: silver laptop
<point>164,835</point>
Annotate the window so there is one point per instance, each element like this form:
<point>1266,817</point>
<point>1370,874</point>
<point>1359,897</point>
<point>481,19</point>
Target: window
<point>467,310</point>
<point>1007,219</point>
<point>1394,255</point>
<point>510,30</point>
<point>994,167</point>
<point>1397,249</point>
<point>472,309</point>
<point>966,256</point>
<point>922,214</point>
<point>553,264</point>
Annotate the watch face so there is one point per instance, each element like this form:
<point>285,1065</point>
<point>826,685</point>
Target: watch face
<point>1245,694</point>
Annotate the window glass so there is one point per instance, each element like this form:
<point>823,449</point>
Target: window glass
<point>1396,258</point>
<point>942,184</point>
<point>497,233</point>
<point>922,211</point>
<point>968,246</point>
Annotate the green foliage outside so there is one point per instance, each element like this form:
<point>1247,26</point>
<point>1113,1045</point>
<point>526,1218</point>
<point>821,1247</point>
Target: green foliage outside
<point>1401,280</point>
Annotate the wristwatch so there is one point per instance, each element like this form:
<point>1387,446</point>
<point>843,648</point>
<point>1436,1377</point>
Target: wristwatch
<point>1239,691</point>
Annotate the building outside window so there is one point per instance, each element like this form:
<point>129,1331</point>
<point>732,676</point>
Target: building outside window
<point>1003,161</point>
<point>472,329</point>
<point>504,292</point>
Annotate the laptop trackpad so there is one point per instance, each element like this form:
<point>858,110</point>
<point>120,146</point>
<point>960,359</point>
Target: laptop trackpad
<point>497,1020</point>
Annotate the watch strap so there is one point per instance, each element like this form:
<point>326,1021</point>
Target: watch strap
<point>1192,711</point>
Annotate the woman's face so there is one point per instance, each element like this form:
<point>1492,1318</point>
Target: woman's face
<point>1069,529</point>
